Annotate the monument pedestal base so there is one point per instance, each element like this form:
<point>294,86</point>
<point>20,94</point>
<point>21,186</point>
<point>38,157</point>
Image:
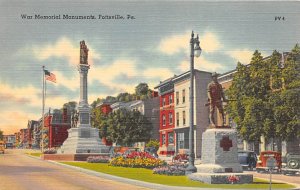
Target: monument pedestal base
<point>83,140</point>
<point>221,178</point>
<point>220,158</point>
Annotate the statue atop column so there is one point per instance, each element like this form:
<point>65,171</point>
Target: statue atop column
<point>82,137</point>
<point>83,53</point>
<point>215,99</point>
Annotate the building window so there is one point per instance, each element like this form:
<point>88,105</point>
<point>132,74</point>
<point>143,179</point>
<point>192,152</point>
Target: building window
<point>177,118</point>
<point>177,98</point>
<point>183,117</point>
<point>163,139</point>
<point>180,140</point>
<point>171,118</point>
<point>164,101</point>
<point>183,96</point>
<point>171,138</point>
<point>164,120</point>
<point>170,99</point>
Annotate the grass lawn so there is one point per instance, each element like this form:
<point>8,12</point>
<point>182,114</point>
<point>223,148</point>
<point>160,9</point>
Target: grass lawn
<point>37,154</point>
<point>146,175</point>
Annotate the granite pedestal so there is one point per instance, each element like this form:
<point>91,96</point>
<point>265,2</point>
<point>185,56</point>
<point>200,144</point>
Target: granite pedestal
<point>220,158</point>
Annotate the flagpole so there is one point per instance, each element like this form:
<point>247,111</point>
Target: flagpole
<point>43,103</point>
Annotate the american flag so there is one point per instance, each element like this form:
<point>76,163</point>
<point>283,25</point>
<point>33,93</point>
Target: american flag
<point>50,76</point>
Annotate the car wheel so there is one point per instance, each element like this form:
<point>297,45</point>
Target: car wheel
<point>293,164</point>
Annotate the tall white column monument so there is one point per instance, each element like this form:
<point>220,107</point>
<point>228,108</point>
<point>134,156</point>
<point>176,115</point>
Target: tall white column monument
<point>82,138</point>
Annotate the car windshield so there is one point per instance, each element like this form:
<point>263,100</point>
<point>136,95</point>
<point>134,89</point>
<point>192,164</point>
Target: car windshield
<point>242,154</point>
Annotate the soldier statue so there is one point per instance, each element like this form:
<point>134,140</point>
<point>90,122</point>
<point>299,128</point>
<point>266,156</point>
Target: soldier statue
<point>215,98</point>
<point>83,53</point>
<point>74,119</point>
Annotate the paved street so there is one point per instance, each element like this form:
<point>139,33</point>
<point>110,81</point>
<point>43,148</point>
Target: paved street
<point>20,172</point>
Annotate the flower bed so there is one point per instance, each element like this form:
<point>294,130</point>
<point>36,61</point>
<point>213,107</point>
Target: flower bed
<point>137,160</point>
<point>176,169</point>
<point>181,158</point>
<point>97,159</point>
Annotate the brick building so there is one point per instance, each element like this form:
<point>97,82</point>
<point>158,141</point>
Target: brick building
<point>23,138</point>
<point>167,118</point>
<point>58,125</point>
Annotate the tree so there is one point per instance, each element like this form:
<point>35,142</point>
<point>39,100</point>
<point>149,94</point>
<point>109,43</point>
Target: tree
<point>1,135</point>
<point>110,99</point>
<point>285,103</point>
<point>142,90</point>
<point>249,89</point>
<point>128,127</point>
<point>57,111</point>
<point>99,120</point>
<point>71,106</point>
<point>153,143</point>
<point>267,97</point>
<point>125,97</point>
<point>94,104</point>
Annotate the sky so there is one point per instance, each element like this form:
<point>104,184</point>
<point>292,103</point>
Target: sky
<point>151,46</point>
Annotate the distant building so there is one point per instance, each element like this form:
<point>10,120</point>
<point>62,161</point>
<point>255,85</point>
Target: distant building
<point>182,109</point>
<point>17,135</point>
<point>105,107</point>
<point>10,141</point>
<point>23,138</point>
<point>148,107</point>
<point>33,134</point>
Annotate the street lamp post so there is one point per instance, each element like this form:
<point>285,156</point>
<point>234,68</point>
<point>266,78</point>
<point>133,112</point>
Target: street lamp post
<point>195,51</point>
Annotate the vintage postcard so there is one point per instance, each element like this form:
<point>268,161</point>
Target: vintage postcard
<point>109,81</point>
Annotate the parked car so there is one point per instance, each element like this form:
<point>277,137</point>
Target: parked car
<point>293,160</point>
<point>247,159</point>
<point>261,165</point>
<point>291,164</point>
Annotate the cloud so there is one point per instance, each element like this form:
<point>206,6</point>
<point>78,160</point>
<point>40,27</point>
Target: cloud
<point>71,83</point>
<point>105,74</point>
<point>128,68</point>
<point>63,48</point>
<point>13,121</point>
<point>181,42</point>
<point>201,64</point>
<point>18,95</point>
<point>161,73</point>
<point>19,102</point>
<point>209,43</point>
<point>174,44</point>
<point>244,56</point>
